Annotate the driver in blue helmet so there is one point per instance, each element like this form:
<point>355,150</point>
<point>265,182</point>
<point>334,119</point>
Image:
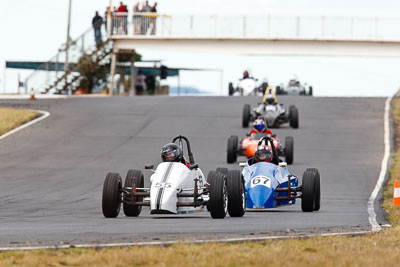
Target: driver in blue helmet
<point>260,127</point>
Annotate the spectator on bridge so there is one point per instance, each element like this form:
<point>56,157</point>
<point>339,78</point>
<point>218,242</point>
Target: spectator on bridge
<point>146,7</point>
<point>140,83</point>
<point>122,18</point>
<point>154,18</point>
<point>136,19</point>
<point>97,22</point>
<point>154,8</point>
<point>106,19</point>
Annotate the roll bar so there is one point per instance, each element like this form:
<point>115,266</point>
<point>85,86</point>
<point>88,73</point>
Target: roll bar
<point>267,139</point>
<point>190,154</point>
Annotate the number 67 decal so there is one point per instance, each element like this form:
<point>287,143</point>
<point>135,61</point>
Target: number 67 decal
<point>260,180</point>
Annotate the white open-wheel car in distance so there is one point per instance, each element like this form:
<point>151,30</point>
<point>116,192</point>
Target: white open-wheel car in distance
<point>177,187</point>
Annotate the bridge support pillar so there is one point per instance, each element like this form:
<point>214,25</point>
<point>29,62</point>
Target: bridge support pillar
<point>132,78</point>
<point>112,72</point>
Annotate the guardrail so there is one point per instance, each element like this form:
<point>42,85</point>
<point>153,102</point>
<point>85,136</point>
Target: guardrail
<point>258,26</point>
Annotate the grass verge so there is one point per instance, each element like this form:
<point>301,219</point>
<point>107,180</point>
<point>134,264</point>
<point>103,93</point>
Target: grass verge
<point>393,213</point>
<point>380,249</point>
<point>375,249</point>
<point>12,118</point>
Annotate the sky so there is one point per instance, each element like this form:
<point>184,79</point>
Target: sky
<point>34,30</point>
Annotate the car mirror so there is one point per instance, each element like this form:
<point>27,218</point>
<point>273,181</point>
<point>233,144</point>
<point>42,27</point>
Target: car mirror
<point>149,166</point>
<point>282,164</point>
<point>242,164</point>
<point>193,166</point>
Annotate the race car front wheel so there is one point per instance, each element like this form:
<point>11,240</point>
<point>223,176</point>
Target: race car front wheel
<point>236,194</point>
<point>309,191</point>
<point>111,200</point>
<point>218,202</point>
<point>134,179</point>
<point>317,200</point>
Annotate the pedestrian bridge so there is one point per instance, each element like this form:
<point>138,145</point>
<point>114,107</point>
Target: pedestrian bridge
<point>270,34</point>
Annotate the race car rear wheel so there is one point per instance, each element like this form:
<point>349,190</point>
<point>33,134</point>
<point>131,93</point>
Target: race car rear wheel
<point>289,149</point>
<point>218,202</point>
<point>111,200</point>
<point>317,199</point>
<point>246,116</point>
<point>308,191</point>
<point>293,117</point>
<point>134,179</point>
<point>231,89</point>
<point>224,171</point>
<point>236,194</point>
<point>232,149</point>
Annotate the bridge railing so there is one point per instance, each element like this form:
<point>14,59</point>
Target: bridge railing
<point>258,26</point>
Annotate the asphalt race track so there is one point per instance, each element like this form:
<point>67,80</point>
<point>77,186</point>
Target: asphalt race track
<point>52,173</point>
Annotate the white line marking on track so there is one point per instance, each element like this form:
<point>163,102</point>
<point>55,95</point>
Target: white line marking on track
<point>371,211</point>
<point>45,114</point>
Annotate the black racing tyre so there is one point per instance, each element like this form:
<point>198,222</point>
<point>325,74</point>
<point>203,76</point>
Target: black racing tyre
<point>317,199</point>
<point>224,171</point>
<point>308,191</point>
<point>246,116</point>
<point>289,149</point>
<point>293,117</point>
<point>111,200</point>
<point>231,155</point>
<point>134,178</point>
<point>236,194</point>
<point>231,89</point>
<point>218,202</point>
<point>310,91</point>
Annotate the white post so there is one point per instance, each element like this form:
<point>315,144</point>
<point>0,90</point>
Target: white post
<point>244,26</point>
<point>351,27</point>
<point>179,83</point>
<point>66,63</point>
<point>191,25</point>
<point>215,26</point>
<point>112,72</point>
<point>109,20</point>
<point>221,71</point>
<point>322,26</point>
<point>376,28</point>
<point>298,27</point>
<point>19,82</point>
<point>67,42</point>
<point>132,89</point>
<point>4,80</point>
<point>268,25</point>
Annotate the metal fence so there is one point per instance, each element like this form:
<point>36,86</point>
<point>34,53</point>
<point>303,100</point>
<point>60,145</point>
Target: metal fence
<point>258,26</point>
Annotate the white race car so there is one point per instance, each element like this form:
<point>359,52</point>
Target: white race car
<point>247,86</point>
<point>176,188</point>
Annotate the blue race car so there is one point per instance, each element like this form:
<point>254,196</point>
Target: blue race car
<point>270,185</point>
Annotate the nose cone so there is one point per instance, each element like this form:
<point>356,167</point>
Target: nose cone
<point>260,197</point>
